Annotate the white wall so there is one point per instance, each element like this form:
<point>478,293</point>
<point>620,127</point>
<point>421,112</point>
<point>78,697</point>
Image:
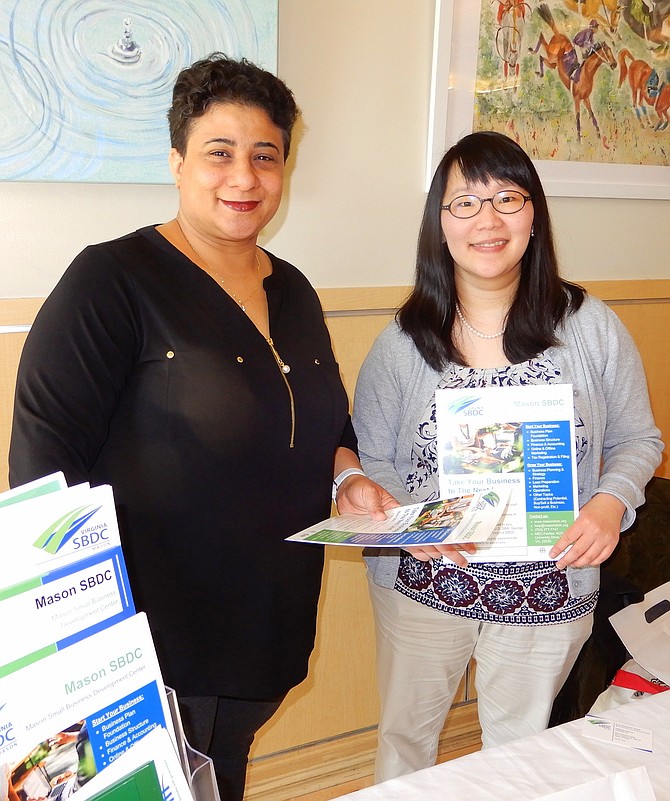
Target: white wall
<point>360,70</point>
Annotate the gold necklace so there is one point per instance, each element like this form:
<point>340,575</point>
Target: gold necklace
<point>241,303</point>
<point>283,367</point>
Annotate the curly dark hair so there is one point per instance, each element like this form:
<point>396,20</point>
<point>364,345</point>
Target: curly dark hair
<point>221,79</point>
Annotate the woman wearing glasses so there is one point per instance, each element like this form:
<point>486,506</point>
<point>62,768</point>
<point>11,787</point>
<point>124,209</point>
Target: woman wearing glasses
<point>489,308</point>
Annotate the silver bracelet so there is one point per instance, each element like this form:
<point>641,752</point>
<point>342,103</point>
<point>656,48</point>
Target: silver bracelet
<point>340,477</point>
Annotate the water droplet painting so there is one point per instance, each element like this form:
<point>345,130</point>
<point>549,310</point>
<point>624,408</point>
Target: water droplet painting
<point>85,85</point>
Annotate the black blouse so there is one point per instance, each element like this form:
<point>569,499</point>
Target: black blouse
<point>141,372</point>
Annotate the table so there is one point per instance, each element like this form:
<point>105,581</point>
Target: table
<point>553,760</point>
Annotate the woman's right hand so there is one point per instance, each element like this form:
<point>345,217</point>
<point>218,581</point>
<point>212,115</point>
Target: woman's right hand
<point>454,553</point>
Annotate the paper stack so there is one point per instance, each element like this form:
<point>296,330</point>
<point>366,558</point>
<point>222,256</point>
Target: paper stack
<point>83,708</point>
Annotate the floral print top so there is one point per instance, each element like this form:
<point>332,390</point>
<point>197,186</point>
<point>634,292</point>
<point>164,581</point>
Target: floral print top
<point>512,593</point>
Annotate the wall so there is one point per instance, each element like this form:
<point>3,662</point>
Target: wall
<point>360,70</point>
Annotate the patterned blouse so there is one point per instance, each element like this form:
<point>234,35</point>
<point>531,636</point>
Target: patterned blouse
<point>513,593</point>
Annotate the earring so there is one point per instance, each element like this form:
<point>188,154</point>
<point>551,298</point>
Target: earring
<point>532,230</point>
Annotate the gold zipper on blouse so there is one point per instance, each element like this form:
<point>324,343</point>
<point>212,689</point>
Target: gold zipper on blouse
<point>284,369</point>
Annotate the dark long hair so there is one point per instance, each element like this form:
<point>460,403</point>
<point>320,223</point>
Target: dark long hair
<point>542,300</point>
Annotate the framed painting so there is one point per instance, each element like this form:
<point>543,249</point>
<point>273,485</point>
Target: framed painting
<point>85,85</point>
<point>582,85</point>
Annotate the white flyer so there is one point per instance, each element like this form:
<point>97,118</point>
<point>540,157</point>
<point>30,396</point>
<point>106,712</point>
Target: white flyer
<point>61,554</point>
<point>75,712</point>
<point>467,518</point>
<point>41,486</point>
<point>51,612</point>
<point>56,529</point>
<point>517,439</point>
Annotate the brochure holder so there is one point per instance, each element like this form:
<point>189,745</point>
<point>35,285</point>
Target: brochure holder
<point>198,768</point>
<point>65,550</point>
<point>201,776</point>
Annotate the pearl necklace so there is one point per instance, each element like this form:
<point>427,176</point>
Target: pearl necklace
<point>241,303</point>
<point>473,330</point>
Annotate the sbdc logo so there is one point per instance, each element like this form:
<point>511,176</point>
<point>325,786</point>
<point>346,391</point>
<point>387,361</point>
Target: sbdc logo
<point>89,538</point>
<point>7,735</point>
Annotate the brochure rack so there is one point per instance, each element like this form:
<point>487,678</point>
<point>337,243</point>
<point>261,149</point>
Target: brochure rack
<point>84,712</point>
<point>197,767</point>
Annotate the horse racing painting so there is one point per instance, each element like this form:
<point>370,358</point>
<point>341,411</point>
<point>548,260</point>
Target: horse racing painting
<point>577,80</point>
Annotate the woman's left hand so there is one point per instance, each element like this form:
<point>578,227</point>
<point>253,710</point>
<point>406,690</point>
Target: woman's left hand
<point>359,495</point>
<point>594,534</point>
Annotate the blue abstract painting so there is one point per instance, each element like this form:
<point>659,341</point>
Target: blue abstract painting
<point>85,85</point>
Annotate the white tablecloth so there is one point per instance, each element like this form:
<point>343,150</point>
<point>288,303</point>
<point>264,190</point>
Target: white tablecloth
<point>556,759</point>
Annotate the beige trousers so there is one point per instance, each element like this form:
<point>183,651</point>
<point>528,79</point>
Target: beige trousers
<point>422,655</point>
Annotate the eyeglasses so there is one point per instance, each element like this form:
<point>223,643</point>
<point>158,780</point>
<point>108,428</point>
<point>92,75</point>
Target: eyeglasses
<point>509,201</point>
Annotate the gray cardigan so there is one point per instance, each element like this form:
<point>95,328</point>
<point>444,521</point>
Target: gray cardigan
<point>597,356</point>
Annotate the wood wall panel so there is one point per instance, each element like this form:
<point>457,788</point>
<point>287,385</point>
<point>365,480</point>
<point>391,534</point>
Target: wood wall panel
<point>15,316</point>
<point>649,322</point>
<point>338,699</point>
<point>352,338</point>
<point>10,350</point>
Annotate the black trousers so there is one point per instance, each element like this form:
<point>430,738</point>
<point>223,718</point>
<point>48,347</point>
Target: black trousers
<point>224,728</point>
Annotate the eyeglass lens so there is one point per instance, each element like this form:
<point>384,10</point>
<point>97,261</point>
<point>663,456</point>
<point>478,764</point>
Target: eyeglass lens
<point>506,202</point>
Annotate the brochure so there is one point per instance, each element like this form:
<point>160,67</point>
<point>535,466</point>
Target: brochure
<point>142,784</point>
<point>76,596</point>
<point>466,518</point>
<point>157,748</point>
<point>50,612</point>
<point>33,489</point>
<point>54,530</point>
<point>70,715</point>
<point>520,439</point>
